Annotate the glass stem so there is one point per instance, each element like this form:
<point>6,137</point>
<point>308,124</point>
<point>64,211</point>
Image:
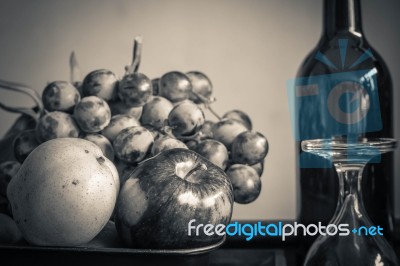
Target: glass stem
<point>350,177</point>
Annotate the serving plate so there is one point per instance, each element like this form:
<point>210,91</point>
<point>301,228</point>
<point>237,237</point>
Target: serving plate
<point>105,249</point>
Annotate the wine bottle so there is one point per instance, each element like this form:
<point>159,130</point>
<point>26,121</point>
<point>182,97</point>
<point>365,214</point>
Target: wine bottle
<point>343,49</point>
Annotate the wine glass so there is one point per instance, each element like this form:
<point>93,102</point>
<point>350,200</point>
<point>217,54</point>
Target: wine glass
<point>362,243</point>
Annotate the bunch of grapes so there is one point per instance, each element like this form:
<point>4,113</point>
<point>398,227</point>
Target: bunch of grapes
<point>135,118</point>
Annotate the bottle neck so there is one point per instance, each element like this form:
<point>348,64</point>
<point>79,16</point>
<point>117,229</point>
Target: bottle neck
<point>342,16</point>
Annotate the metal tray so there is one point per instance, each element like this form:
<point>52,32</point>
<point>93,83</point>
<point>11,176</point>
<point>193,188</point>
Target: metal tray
<point>105,249</point>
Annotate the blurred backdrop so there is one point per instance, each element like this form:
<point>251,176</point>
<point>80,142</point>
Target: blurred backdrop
<point>249,49</point>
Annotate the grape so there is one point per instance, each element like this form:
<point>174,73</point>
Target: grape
<point>249,147</point>
<point>201,85</point>
<point>60,96</point>
<point>92,114</point>
<point>259,167</point>
<point>24,143</point>
<point>245,182</point>
<point>103,143</point>
<point>240,116</point>
<point>102,83</point>
<point>166,143</point>
<point>214,151</point>
<point>56,125</point>
<point>175,86</point>
<point>226,131</point>
<point>135,89</point>
<point>156,111</point>
<point>117,124</point>
<point>186,119</point>
<point>8,170</point>
<point>132,144</point>
<point>206,130</point>
<point>119,108</point>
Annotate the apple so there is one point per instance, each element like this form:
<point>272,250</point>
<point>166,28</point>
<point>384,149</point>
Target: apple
<point>164,193</point>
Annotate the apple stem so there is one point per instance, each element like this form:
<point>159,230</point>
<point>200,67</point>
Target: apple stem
<point>199,166</point>
<point>137,52</point>
<point>74,68</point>
<point>25,90</point>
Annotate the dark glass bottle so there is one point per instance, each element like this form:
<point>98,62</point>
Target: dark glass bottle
<point>343,48</point>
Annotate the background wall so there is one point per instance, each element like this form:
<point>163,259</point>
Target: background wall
<point>247,48</point>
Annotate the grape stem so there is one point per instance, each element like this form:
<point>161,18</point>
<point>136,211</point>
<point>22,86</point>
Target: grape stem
<point>137,52</point>
<point>207,104</point>
<point>74,68</point>
<point>33,94</point>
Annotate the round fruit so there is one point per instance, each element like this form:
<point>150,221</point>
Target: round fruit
<point>24,143</point>
<point>201,85</point>
<point>103,143</point>
<point>56,125</point>
<point>206,130</point>
<point>132,144</point>
<point>259,167</point>
<point>166,193</point>
<point>135,89</point>
<point>119,108</point>
<point>60,96</point>
<point>246,183</point>
<point>186,119</point>
<point>226,130</point>
<point>102,83</point>
<point>166,143</point>
<point>8,170</point>
<point>249,147</point>
<point>92,114</point>
<point>175,86</point>
<point>240,116</point>
<point>117,124</point>
<point>64,193</point>
<point>156,111</point>
<point>214,151</point>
